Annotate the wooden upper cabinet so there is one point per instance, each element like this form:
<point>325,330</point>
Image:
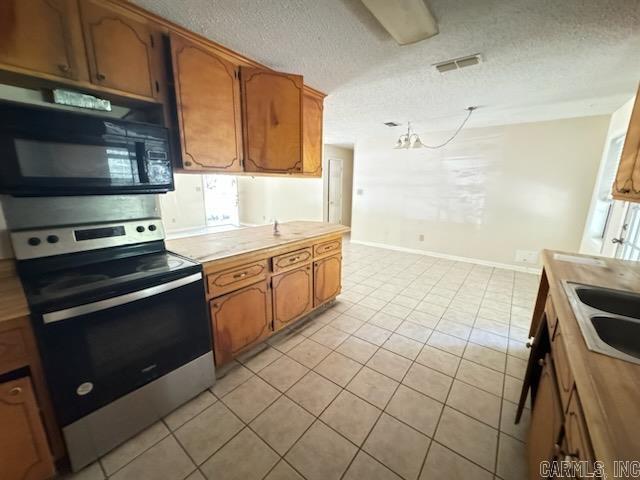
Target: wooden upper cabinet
<point>42,38</point>
<point>312,106</point>
<point>124,51</point>
<point>208,104</point>
<point>24,453</point>
<point>272,121</point>
<point>292,295</point>
<point>240,319</point>
<point>627,182</point>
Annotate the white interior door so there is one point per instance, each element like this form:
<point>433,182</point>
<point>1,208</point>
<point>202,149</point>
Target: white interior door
<point>628,243</point>
<point>335,191</point>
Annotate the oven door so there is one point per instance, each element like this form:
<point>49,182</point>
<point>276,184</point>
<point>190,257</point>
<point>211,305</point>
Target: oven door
<point>98,352</point>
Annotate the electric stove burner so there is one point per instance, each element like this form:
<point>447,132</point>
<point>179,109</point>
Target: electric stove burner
<point>106,276</point>
<point>159,263</point>
<point>74,281</point>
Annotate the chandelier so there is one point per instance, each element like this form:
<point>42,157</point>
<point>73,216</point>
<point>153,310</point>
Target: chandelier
<point>412,139</point>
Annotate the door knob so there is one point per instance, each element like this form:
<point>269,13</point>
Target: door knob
<point>617,240</point>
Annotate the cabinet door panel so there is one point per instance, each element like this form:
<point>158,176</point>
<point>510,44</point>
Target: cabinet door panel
<point>326,279</point>
<point>272,115</point>
<point>312,135</point>
<point>292,295</point>
<point>240,319</point>
<point>546,420</point>
<point>578,443</point>
<point>123,53</point>
<point>37,35</point>
<point>24,453</point>
<point>208,101</point>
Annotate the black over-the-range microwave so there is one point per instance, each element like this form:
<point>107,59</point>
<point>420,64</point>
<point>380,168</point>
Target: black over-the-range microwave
<point>50,152</point>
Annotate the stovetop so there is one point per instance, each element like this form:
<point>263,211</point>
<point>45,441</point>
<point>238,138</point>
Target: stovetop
<point>102,279</point>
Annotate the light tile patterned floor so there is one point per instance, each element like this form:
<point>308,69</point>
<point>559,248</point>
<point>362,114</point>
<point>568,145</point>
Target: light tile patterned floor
<point>412,373</point>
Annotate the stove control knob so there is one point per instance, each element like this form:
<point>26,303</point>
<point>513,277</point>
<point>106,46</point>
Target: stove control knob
<point>33,241</point>
<point>140,229</point>
<point>53,239</point>
<point>152,228</point>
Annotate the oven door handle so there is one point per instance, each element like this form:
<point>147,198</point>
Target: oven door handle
<point>120,300</point>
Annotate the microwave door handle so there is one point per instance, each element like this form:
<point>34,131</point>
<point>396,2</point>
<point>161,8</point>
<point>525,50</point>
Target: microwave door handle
<point>93,307</point>
<point>141,153</point>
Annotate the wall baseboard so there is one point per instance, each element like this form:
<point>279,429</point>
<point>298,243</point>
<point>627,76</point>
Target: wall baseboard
<point>517,268</point>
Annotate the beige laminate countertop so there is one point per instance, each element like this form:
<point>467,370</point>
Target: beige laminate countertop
<point>223,245</point>
<point>13,303</point>
<point>608,388</point>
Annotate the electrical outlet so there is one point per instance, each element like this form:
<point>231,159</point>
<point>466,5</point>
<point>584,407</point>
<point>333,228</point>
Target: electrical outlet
<point>421,238</point>
<point>527,256</point>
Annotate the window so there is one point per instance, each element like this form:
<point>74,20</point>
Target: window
<point>220,200</point>
<point>604,203</point>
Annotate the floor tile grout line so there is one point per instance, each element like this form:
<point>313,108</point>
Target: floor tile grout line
<point>435,430</point>
<point>384,411</point>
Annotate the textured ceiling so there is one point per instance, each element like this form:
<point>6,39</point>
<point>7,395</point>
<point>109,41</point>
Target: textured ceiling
<point>543,59</point>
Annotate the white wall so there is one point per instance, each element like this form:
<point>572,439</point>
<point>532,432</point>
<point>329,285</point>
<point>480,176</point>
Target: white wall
<point>263,199</point>
<point>591,243</point>
<point>492,191</point>
<point>183,209</point>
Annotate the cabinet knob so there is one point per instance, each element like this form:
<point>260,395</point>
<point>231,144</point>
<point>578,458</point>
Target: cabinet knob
<point>15,391</point>
<point>64,68</point>
<point>541,362</point>
<point>101,76</point>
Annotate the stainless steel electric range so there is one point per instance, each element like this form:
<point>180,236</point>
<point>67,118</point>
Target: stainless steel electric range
<point>121,325</point>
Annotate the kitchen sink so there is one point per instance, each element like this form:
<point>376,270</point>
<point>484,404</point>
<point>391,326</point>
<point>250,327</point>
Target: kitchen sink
<point>617,302</point>
<point>609,319</point>
<point>620,333</point>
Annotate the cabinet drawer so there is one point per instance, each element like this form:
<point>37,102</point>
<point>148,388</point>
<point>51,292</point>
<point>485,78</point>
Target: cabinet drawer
<point>232,279</point>
<point>577,435</point>
<point>291,260</point>
<point>552,317</point>
<point>13,350</point>
<point>327,248</point>
<point>561,362</point>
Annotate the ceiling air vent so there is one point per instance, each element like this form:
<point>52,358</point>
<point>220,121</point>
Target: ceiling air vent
<point>392,124</point>
<point>457,63</point>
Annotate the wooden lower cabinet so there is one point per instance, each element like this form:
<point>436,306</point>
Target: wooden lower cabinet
<point>292,295</point>
<point>546,421</point>
<point>578,444</point>
<point>24,453</point>
<point>240,319</point>
<point>259,292</point>
<point>326,279</point>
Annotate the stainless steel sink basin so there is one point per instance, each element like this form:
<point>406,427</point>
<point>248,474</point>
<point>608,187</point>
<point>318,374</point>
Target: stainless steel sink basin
<point>617,302</point>
<point>620,333</point>
<point>609,319</point>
